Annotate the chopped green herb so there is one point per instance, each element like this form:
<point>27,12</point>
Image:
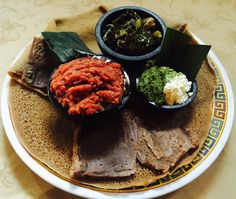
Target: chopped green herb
<point>153,80</point>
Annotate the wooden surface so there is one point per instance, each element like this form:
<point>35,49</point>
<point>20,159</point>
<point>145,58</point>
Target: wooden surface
<point>213,21</point>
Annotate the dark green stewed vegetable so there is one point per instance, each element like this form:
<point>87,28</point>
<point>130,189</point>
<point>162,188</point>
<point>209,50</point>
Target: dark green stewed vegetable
<point>132,35</point>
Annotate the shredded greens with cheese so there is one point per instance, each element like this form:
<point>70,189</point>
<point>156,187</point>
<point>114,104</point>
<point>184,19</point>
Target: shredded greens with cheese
<point>153,80</point>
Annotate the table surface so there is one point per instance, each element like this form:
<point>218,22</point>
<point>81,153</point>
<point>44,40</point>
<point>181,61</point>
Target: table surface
<point>213,21</point>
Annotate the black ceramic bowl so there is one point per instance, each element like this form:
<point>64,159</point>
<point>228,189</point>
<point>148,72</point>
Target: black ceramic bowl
<point>114,13</point>
<point>109,109</point>
<point>194,90</point>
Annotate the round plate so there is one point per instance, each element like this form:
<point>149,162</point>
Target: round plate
<point>221,123</point>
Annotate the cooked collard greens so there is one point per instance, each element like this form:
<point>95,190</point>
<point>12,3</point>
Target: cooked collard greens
<point>130,34</point>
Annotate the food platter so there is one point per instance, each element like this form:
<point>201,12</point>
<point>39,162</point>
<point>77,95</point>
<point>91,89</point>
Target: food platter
<point>221,123</point>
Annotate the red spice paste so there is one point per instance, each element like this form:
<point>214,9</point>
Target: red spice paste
<point>86,85</point>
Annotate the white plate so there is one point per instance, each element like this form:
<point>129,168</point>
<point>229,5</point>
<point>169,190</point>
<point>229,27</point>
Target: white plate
<point>222,120</point>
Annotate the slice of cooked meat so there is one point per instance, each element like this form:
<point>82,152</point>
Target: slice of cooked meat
<point>106,148</point>
<point>39,66</point>
<point>163,147</point>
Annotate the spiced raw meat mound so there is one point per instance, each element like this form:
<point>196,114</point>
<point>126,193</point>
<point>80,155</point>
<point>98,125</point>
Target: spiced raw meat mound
<point>86,85</point>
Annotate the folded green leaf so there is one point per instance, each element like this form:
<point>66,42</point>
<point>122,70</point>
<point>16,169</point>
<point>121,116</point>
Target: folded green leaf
<point>178,53</point>
<point>65,45</point>
<point>192,58</point>
<point>171,39</point>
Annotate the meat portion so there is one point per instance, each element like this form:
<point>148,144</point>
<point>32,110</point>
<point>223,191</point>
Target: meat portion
<point>87,85</point>
<point>105,148</point>
<point>162,148</point>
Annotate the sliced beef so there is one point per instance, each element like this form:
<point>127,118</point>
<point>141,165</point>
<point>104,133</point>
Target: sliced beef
<point>106,148</point>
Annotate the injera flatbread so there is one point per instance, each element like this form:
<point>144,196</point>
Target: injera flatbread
<point>106,147</point>
<point>48,137</point>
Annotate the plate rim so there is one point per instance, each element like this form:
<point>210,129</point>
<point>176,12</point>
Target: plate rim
<point>89,193</point>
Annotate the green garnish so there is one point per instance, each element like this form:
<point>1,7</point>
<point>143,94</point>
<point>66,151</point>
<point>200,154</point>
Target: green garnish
<point>153,80</point>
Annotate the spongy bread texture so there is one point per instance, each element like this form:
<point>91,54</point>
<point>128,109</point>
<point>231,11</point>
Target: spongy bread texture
<point>48,137</point>
<point>42,130</point>
<point>196,118</point>
<point>45,134</point>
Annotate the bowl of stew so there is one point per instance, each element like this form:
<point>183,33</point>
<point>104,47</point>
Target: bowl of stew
<point>130,34</point>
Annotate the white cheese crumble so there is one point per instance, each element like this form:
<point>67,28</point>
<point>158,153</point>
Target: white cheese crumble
<point>176,90</point>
